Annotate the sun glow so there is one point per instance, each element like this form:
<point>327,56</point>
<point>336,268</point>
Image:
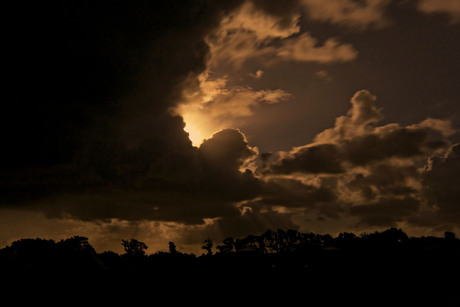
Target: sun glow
<point>198,126</point>
<point>194,134</point>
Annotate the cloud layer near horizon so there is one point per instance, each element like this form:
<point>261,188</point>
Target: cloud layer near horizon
<point>357,171</point>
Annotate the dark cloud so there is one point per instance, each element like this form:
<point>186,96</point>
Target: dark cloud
<point>221,159</point>
<point>400,142</point>
<point>360,170</point>
<point>71,63</point>
<point>355,139</point>
<point>106,164</point>
<point>442,179</point>
<point>181,184</point>
<point>322,158</point>
<point>90,90</point>
<point>386,211</point>
<point>249,222</point>
<point>395,142</point>
<point>225,151</point>
<point>89,132</point>
<point>385,179</point>
<point>255,221</point>
<point>292,193</point>
<point>136,206</point>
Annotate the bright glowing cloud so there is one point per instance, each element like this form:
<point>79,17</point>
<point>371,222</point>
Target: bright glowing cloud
<point>213,101</point>
<point>449,7</point>
<point>304,48</point>
<point>211,106</point>
<point>358,14</point>
<point>253,34</point>
<point>258,74</point>
<point>263,25</point>
<point>195,134</point>
<point>362,113</point>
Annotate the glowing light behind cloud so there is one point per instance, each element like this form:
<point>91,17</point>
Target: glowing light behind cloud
<point>211,107</point>
<point>218,98</point>
<point>194,133</point>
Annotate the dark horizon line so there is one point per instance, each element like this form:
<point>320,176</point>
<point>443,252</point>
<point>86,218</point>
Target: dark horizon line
<point>252,239</point>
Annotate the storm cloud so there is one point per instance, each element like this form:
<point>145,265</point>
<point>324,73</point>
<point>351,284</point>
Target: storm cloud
<point>104,102</point>
<point>90,134</point>
<point>357,140</point>
<point>204,184</point>
<point>91,101</point>
<point>375,170</point>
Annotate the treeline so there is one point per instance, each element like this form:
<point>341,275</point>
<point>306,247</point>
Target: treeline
<point>380,264</point>
<point>295,242</point>
<point>271,246</point>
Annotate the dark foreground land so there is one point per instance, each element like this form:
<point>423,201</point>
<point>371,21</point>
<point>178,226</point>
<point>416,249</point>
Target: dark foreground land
<point>284,268</point>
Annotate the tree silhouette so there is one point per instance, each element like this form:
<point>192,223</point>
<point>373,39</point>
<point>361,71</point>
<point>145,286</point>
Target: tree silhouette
<point>228,247</point>
<point>77,244</point>
<point>303,259</point>
<point>286,260</point>
<point>448,235</point>
<point>172,248</point>
<point>207,246</point>
<point>134,247</point>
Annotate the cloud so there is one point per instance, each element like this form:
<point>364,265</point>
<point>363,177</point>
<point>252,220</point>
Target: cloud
<point>273,96</point>
<point>356,141</point>
<point>211,105</point>
<point>441,178</point>
<point>99,88</point>
<point>222,165</point>
<point>262,24</point>
<point>356,14</point>
<point>240,101</point>
<point>251,33</point>
<point>134,206</point>
<point>304,48</point>
<point>321,158</point>
<point>293,194</point>
<point>362,142</point>
<point>264,32</point>
<point>449,7</point>
<point>240,46</point>
<point>226,150</point>
<point>136,163</point>
<point>323,75</point>
<point>251,221</point>
<point>386,212</point>
<point>205,183</point>
<point>258,31</point>
<point>442,126</point>
<point>362,113</point>
<point>259,73</point>
<point>114,150</point>
<point>244,33</point>
<point>359,170</point>
<point>399,142</point>
<point>389,179</point>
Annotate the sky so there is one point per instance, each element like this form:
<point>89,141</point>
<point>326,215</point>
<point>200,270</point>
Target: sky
<point>186,120</point>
